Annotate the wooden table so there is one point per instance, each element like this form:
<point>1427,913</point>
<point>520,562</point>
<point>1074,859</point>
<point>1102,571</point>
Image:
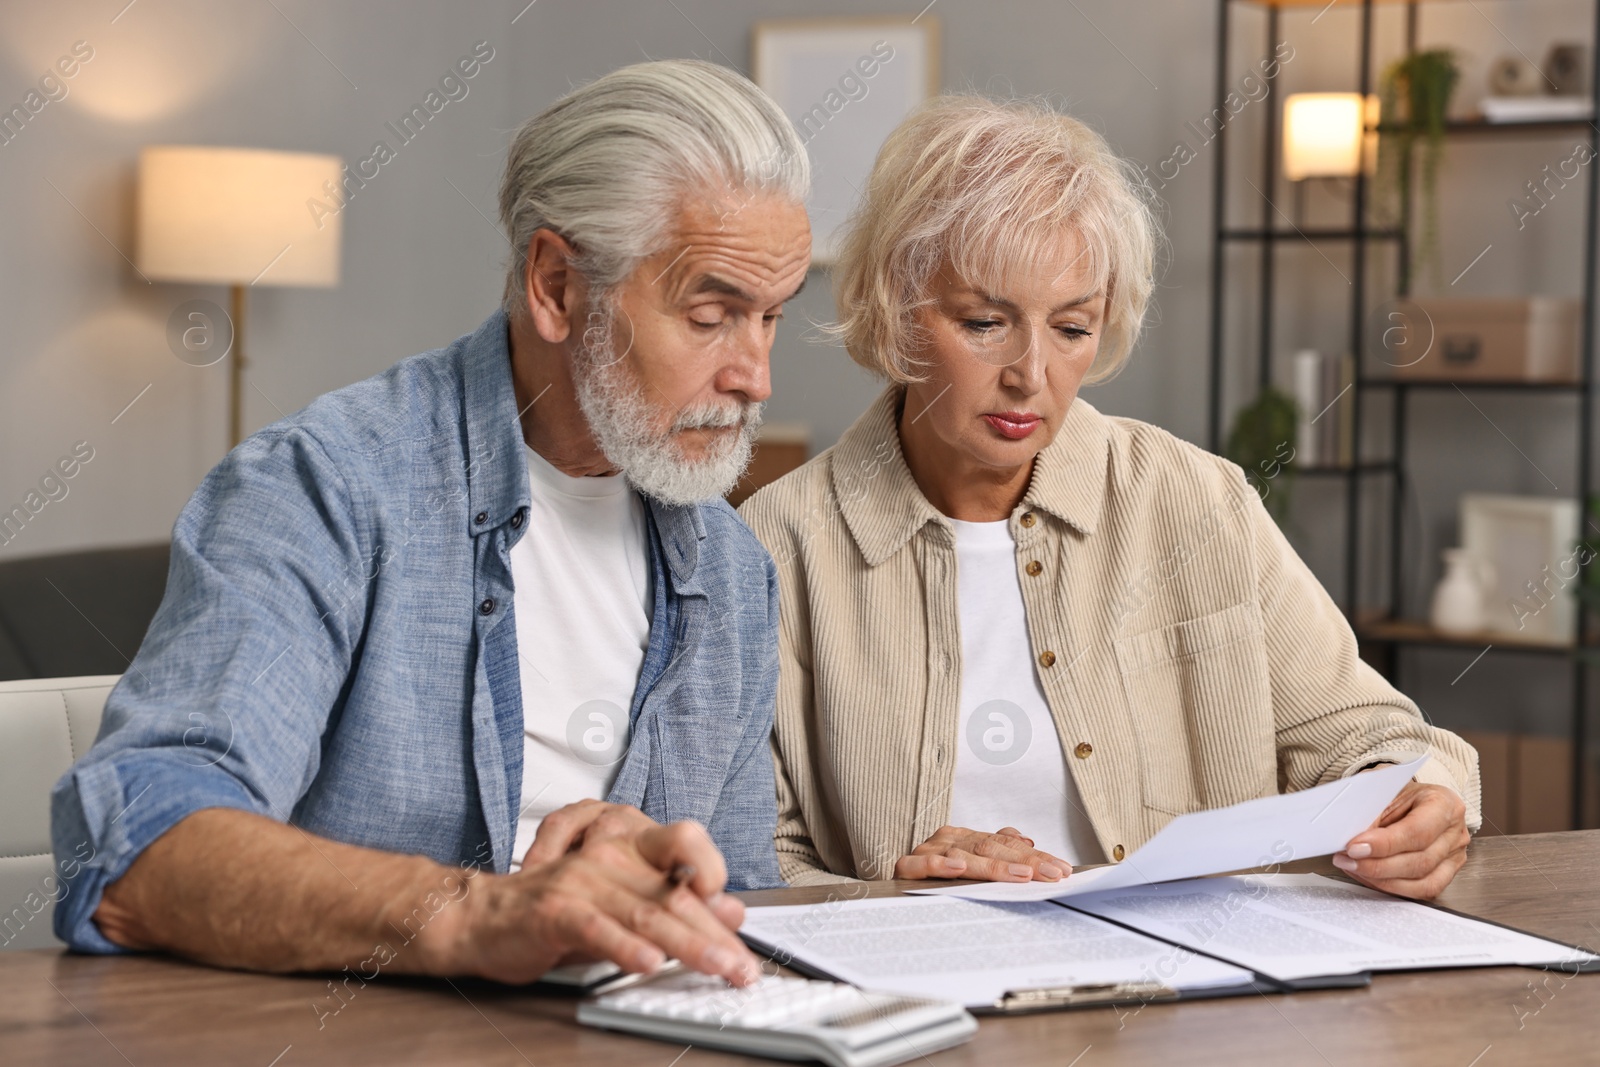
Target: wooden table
<point>62,1009</point>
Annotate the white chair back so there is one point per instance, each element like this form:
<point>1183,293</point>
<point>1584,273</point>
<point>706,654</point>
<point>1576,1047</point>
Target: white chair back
<point>45,724</point>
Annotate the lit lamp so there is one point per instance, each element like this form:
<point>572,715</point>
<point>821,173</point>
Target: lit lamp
<point>1329,135</point>
<point>238,217</point>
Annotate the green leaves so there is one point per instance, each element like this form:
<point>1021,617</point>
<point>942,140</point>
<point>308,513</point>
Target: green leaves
<point>1415,98</point>
<point>1262,442</point>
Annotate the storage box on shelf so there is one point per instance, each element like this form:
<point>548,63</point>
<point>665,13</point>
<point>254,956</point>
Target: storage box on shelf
<point>1482,339</point>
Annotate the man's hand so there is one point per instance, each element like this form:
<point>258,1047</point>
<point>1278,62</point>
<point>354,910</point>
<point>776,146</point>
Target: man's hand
<point>1003,856</point>
<point>566,829</point>
<point>1415,847</point>
<point>599,883</point>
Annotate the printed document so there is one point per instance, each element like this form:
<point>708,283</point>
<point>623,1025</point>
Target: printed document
<point>1257,833</point>
<point>970,952</point>
<point>1297,926</point>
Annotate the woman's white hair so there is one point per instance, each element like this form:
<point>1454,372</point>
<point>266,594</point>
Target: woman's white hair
<point>606,166</point>
<point>990,188</point>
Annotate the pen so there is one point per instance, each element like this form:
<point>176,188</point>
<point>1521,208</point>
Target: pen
<point>680,875</point>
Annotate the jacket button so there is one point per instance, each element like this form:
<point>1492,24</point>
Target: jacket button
<point>1034,569</point>
<point>516,521</point>
<point>1027,518</point>
<point>1084,750</point>
<point>481,517</point>
<point>1118,852</point>
<point>1047,658</point>
<point>487,607</point>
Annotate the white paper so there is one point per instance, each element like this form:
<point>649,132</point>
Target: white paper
<point>1257,833</point>
<point>1294,926</point>
<point>970,952</point>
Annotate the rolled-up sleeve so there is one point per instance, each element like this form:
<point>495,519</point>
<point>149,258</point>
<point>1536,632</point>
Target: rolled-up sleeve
<point>228,698</point>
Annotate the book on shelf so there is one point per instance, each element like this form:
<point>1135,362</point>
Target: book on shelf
<point>1325,432</point>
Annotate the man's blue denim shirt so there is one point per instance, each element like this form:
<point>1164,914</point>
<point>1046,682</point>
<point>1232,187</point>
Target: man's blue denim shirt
<point>336,647</point>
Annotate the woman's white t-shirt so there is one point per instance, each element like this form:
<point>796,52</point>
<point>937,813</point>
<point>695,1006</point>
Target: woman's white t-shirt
<point>1010,766</point>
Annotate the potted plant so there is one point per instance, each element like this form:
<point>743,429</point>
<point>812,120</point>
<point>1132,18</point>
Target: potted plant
<point>1262,442</point>
<point>1415,97</point>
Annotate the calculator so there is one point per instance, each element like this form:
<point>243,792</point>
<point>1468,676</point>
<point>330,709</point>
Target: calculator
<point>782,1018</point>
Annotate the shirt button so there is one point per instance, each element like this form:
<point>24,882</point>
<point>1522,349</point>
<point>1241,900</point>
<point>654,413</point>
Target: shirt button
<point>1027,518</point>
<point>516,521</point>
<point>1118,852</point>
<point>487,607</point>
<point>1034,569</point>
<point>481,517</point>
<point>1084,750</point>
<point>1047,658</point>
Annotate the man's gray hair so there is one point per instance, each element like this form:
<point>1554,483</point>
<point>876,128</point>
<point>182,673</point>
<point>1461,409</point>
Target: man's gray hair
<point>606,165</point>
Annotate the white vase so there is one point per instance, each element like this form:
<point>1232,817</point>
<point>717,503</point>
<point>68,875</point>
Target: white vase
<point>1458,598</point>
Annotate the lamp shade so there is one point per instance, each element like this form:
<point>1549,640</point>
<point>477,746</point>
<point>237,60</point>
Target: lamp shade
<point>238,216</point>
<point>1328,135</point>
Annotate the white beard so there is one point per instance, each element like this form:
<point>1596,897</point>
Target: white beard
<point>623,423</point>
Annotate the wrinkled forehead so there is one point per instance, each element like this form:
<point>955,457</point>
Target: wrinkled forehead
<point>757,246</point>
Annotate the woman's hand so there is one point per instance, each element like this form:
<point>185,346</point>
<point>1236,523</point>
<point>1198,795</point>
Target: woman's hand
<point>1003,856</point>
<point>1416,846</point>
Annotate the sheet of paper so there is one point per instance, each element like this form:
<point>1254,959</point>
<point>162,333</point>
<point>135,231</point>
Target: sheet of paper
<point>1294,926</point>
<point>971,952</point>
<point>1257,833</point>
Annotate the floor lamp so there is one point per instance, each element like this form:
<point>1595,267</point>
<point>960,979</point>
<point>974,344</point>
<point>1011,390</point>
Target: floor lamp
<point>238,217</point>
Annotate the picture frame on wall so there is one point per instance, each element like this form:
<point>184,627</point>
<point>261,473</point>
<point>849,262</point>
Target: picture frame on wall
<point>1530,546</point>
<point>845,83</point>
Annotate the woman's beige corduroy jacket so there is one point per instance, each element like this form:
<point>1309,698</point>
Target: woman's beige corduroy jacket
<point>1189,658</point>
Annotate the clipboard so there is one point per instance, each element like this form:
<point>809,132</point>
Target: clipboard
<point>1119,994</point>
<point>1184,964</point>
<point>1026,1001</point>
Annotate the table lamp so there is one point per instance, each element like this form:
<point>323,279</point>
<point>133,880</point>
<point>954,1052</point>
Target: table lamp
<point>238,217</point>
<point>1329,135</point>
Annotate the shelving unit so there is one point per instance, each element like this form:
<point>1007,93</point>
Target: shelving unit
<point>1383,632</point>
<point>1414,632</point>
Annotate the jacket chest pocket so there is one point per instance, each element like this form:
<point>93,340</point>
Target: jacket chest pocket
<point>1200,701</point>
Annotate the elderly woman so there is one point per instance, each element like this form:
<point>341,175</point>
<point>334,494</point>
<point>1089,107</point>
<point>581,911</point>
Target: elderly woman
<point>1018,634</point>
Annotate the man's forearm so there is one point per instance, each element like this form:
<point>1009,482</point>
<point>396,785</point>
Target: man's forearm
<point>236,889</point>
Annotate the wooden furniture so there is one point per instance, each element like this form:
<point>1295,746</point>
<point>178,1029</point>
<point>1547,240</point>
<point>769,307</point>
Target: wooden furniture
<point>780,448</point>
<point>59,1008</point>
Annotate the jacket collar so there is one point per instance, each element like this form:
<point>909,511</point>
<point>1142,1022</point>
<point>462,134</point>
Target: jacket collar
<point>883,507</point>
<point>681,529</point>
<point>497,470</point>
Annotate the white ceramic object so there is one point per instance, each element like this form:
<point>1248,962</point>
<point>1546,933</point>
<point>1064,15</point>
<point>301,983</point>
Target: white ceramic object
<point>1515,76</point>
<point>1458,598</point>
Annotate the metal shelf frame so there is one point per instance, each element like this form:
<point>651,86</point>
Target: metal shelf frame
<point>1267,235</point>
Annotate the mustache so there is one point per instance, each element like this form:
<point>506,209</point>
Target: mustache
<point>719,416</point>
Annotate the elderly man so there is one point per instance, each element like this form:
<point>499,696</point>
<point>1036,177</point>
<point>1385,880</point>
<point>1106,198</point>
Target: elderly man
<point>413,634</point>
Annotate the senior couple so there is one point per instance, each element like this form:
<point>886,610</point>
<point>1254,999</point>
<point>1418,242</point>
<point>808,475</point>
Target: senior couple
<point>468,666</point>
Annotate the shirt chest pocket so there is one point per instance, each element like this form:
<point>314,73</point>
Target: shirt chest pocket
<point>1200,700</point>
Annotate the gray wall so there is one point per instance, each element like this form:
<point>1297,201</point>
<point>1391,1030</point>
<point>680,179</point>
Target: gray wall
<point>85,335</point>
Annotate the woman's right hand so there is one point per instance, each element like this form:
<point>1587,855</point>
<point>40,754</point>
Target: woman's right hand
<point>1003,856</point>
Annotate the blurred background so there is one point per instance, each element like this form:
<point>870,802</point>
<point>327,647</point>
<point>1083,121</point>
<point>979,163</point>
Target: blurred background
<point>1293,281</point>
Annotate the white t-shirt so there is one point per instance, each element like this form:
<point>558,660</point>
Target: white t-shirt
<point>1010,767</point>
<point>583,601</point>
